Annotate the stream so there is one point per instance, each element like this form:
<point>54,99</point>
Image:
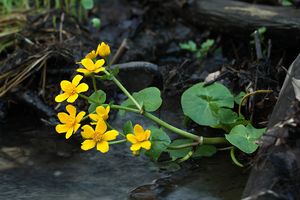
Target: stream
<point>37,163</point>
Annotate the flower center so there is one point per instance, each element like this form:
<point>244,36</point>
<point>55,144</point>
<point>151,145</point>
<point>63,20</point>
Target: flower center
<point>71,122</point>
<point>97,137</point>
<point>71,90</point>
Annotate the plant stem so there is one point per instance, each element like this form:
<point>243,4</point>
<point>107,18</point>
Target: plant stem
<point>118,141</point>
<point>198,139</point>
<point>182,146</point>
<point>233,158</point>
<point>250,94</point>
<point>186,157</point>
<point>86,98</point>
<point>183,133</point>
<point>215,140</point>
<point>119,84</point>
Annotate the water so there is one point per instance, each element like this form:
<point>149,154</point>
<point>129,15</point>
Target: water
<point>36,163</point>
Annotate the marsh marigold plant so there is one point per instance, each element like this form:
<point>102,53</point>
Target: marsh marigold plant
<point>97,132</point>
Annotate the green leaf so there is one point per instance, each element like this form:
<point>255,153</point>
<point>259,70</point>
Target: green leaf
<point>205,46</point>
<point>87,4</point>
<point>286,3</point>
<point>199,103</point>
<point>127,127</point>
<point>205,151</point>
<point>238,98</point>
<point>189,46</point>
<point>96,99</point>
<point>159,143</point>
<point>148,97</point>
<point>96,22</point>
<point>244,138</point>
<point>179,153</point>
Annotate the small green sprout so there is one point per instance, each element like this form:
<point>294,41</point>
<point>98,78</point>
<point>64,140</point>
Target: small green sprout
<point>96,23</point>
<point>202,51</point>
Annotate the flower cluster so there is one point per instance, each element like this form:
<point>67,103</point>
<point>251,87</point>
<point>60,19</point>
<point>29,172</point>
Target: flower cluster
<point>95,133</point>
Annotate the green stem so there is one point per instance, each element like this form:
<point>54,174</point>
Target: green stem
<point>233,158</point>
<point>199,139</point>
<point>183,146</point>
<point>119,84</point>
<point>250,94</point>
<point>186,157</point>
<point>111,127</point>
<point>174,129</point>
<point>118,141</point>
<point>215,140</point>
<point>94,82</point>
<point>86,98</point>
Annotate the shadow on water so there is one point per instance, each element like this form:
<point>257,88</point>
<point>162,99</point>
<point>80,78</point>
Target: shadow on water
<point>37,163</point>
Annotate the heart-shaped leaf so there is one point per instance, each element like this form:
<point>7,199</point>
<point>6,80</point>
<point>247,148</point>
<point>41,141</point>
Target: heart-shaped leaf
<point>244,138</point>
<point>200,103</point>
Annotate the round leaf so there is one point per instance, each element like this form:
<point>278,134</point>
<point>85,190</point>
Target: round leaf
<point>149,98</point>
<point>200,103</point>
<point>244,138</point>
<point>205,151</point>
<point>159,143</point>
<point>87,4</point>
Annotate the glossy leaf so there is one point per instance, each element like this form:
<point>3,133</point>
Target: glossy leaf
<point>200,103</point>
<point>159,143</point>
<point>96,99</point>
<point>205,151</point>
<point>179,153</point>
<point>245,138</point>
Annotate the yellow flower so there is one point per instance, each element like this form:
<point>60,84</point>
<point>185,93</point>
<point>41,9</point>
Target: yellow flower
<point>91,67</point>
<point>70,123</point>
<point>103,50</point>
<point>98,137</point>
<point>71,89</point>
<point>102,113</point>
<point>92,55</point>
<point>140,139</point>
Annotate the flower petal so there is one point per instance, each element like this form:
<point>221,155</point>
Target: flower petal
<point>138,129</point>
<point>101,69</point>
<point>76,127</point>
<point>147,134</point>
<point>88,132</point>
<point>80,116</point>
<point>63,117</point>
<point>71,110</point>
<point>146,145</point>
<point>77,79</point>
<point>131,138</point>
<point>65,85</point>
<point>94,117</point>
<point>135,147</point>
<point>101,126</point>
<point>88,64</point>
<point>107,109</point>
<point>72,98</point>
<point>101,111</point>
<point>99,63</point>
<point>69,133</point>
<point>103,146</point>
<point>61,97</point>
<point>91,55</point>
<point>61,128</point>
<point>110,135</point>
<point>88,144</point>
<point>82,87</point>
<point>84,71</point>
